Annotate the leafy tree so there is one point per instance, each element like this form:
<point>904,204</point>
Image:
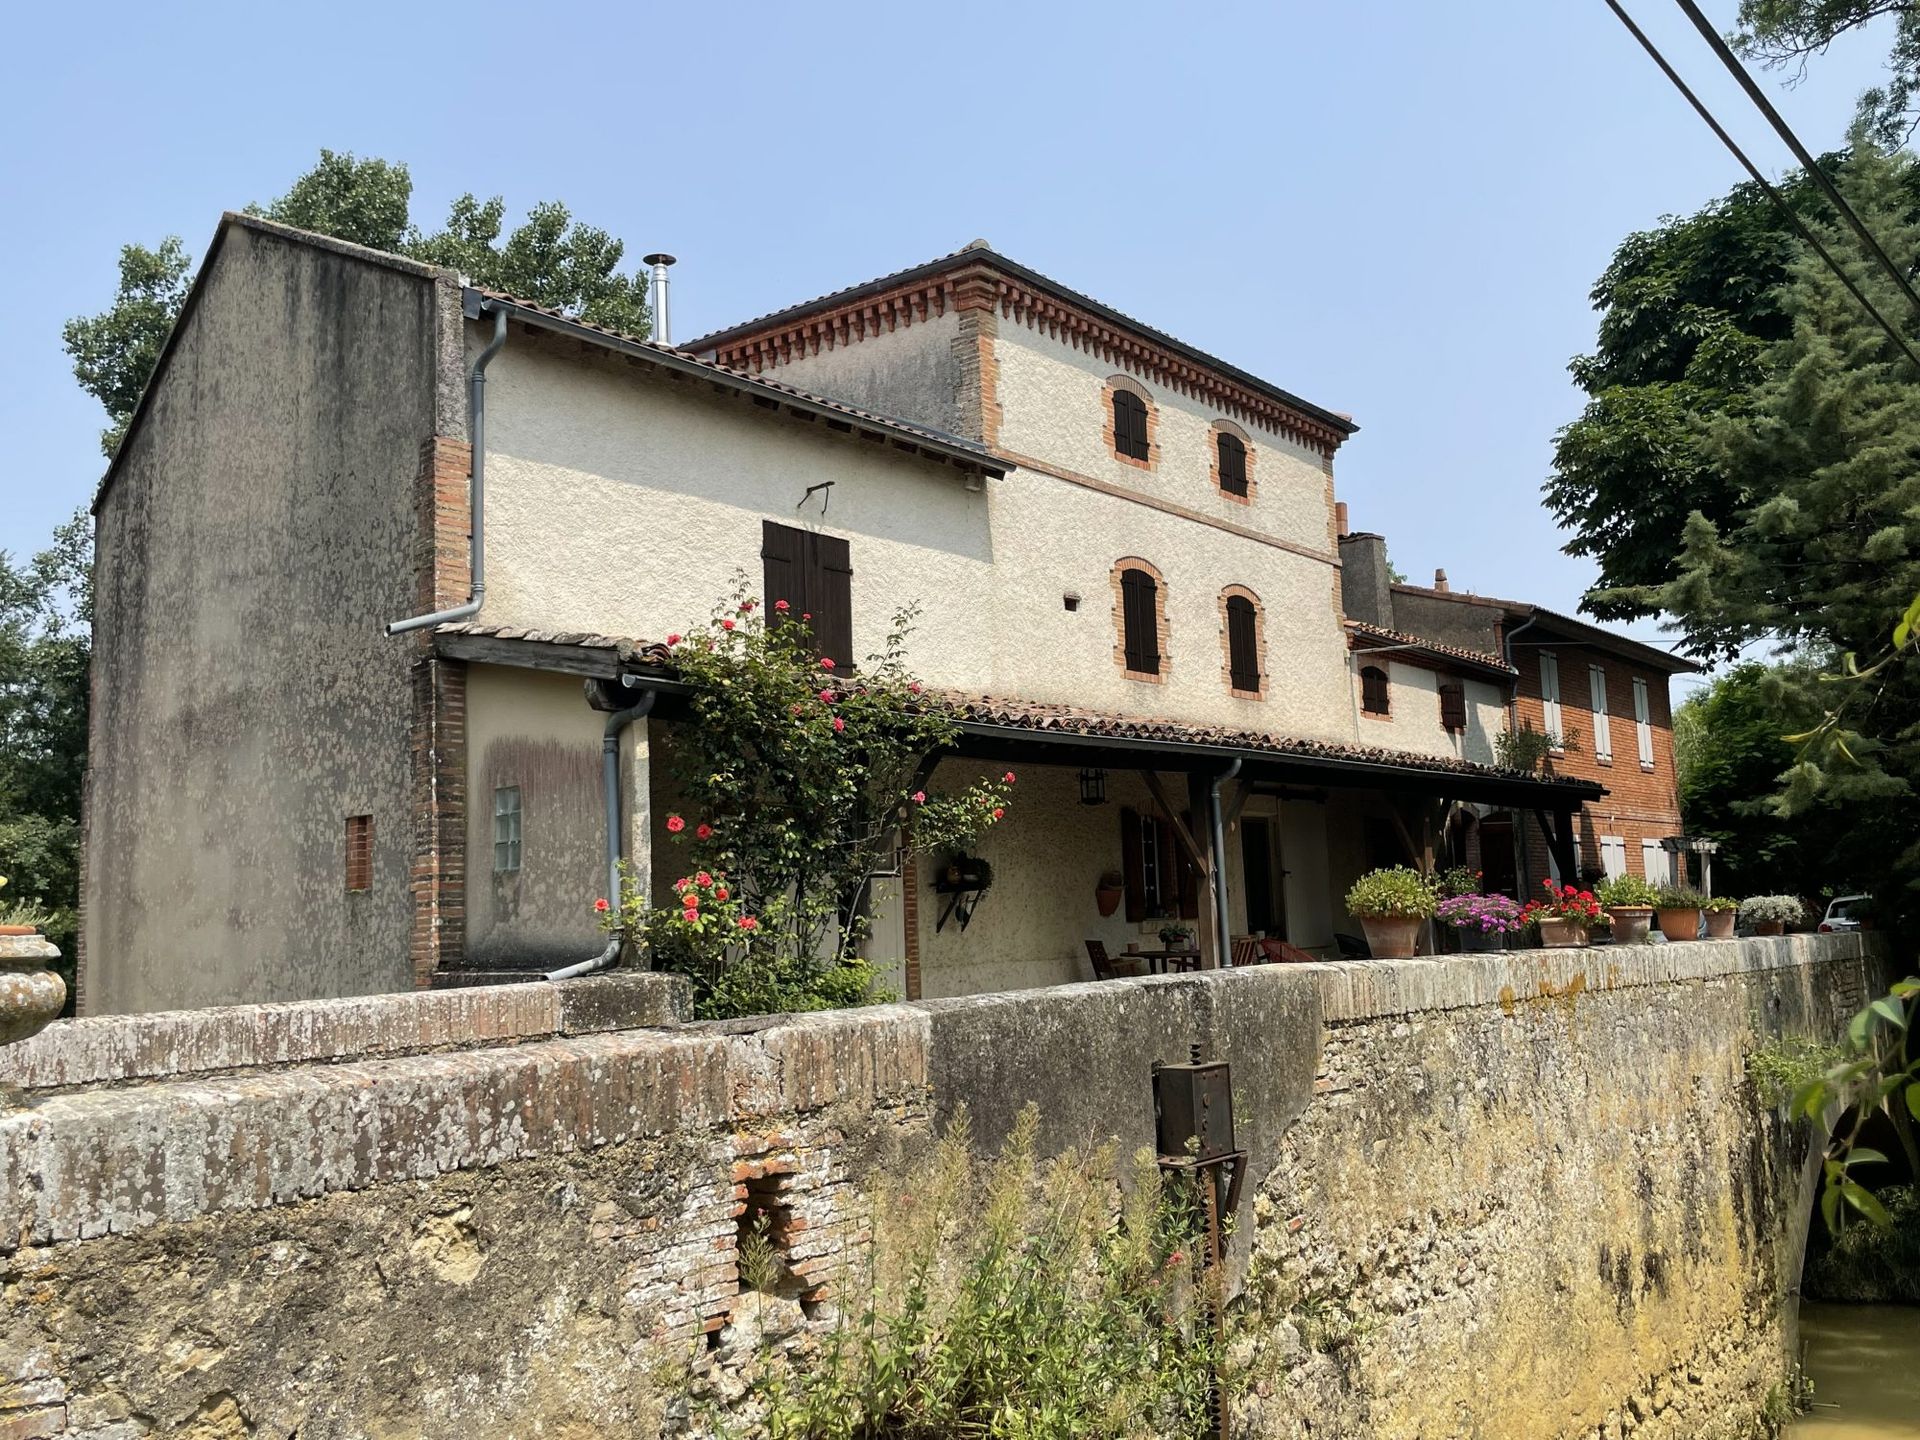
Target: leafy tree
<point>1730,766</point>
<point>1791,32</point>
<point>115,351</point>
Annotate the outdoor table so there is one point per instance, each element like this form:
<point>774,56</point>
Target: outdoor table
<point>1161,961</point>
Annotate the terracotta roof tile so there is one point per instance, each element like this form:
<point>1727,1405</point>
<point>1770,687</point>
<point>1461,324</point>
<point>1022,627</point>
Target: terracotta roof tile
<point>1431,647</point>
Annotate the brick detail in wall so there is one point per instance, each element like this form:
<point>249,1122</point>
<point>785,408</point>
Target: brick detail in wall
<point>441,555</point>
<point>438,876</point>
<point>1259,642</point>
<point>1213,464</point>
<point>910,923</point>
<point>1120,382</point>
<point>1164,634</point>
<point>974,350</point>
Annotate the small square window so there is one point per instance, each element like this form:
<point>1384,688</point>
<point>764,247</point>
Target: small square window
<point>506,829</point>
<point>359,852</point>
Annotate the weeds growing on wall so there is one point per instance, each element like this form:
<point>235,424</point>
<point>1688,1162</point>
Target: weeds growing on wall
<point>1013,1298</point>
<point>802,783</point>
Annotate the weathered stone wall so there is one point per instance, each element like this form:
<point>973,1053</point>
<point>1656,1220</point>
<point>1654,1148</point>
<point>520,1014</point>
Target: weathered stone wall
<point>1497,1196</point>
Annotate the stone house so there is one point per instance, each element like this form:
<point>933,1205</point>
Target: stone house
<point>1602,695</point>
<point>1124,552</point>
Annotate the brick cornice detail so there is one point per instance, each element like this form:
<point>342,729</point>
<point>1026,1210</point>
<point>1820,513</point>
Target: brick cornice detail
<point>976,286</point>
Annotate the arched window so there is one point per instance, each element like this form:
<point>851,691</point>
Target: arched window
<point>1373,690</point>
<point>1130,424</point>
<point>1233,464</point>
<point>1140,620</point>
<point>1243,644</point>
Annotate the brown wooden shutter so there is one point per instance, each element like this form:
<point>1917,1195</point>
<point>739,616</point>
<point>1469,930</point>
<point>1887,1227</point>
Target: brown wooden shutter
<point>1453,706</point>
<point>1140,619</point>
<point>1243,659</point>
<point>1233,464</point>
<point>1373,691</point>
<point>830,597</point>
<point>1130,866</point>
<point>1129,424</point>
<point>782,550</point>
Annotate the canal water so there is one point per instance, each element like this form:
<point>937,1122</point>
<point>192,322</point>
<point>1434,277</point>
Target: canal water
<point>1864,1361</point>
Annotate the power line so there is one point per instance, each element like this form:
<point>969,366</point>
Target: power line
<point>1761,180</point>
<point>1785,132</point>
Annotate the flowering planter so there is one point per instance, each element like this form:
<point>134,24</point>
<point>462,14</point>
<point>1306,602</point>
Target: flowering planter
<point>1392,937</point>
<point>1558,934</point>
<point>1679,924</point>
<point>1720,924</point>
<point>1769,927</point>
<point>1630,923</point>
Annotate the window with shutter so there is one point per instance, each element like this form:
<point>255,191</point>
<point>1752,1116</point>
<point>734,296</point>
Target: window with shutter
<point>1453,706</point>
<point>1129,424</point>
<point>1139,597</point>
<point>1602,727</point>
<point>1656,863</point>
<point>1373,691</point>
<point>1233,464</point>
<point>1243,646</point>
<point>1643,723</point>
<point>1550,696</point>
<point>813,573</point>
<point>1613,855</point>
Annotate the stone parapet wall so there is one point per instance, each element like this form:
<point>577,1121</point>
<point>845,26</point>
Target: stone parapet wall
<point>1501,1196</point>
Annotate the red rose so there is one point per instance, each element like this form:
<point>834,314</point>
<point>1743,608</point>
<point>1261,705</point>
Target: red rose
<point>745,606</point>
<point>704,831</point>
<point>826,662</point>
<point>690,897</point>
<point>673,639</point>
<point>839,724</point>
<point>720,892</point>
<point>675,824</point>
<point>747,922</point>
<point>998,812</point>
<point>690,915</point>
<point>703,879</point>
<point>826,697</point>
<point>1008,777</point>
<point>601,905</point>
<point>726,624</point>
<point>780,605</point>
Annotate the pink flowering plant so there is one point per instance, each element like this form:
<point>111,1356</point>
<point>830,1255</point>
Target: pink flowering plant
<point>800,780</point>
<point>1482,914</point>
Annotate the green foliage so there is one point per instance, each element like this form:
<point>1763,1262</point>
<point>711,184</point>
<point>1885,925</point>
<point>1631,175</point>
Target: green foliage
<point>1013,1298</point>
<point>1790,32</point>
<point>1626,891</point>
<point>1872,1264</point>
<point>1782,1068</point>
<point>1769,909</point>
<point>115,351</point>
<point>801,786</point>
<point>550,258</point>
<point>1679,897</point>
<point>1876,1074</point>
<point>1396,892</point>
<point>1721,905</point>
<point>1528,749</point>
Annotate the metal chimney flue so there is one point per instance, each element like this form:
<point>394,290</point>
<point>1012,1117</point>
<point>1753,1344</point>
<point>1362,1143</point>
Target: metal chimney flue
<point>1340,517</point>
<point>657,298</point>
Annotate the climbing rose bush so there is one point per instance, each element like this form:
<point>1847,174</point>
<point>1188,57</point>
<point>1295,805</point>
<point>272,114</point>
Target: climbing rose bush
<point>802,781</point>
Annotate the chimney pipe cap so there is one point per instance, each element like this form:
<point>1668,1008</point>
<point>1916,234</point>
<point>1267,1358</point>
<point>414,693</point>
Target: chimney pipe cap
<point>659,257</point>
<point>1439,579</point>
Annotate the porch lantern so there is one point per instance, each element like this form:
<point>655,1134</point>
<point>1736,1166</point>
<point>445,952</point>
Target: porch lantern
<point>1093,787</point>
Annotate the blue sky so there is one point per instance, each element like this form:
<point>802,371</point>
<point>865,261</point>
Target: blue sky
<point>1393,209</point>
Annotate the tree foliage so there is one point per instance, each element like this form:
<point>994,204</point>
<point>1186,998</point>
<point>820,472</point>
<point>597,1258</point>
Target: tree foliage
<point>1791,32</point>
<point>115,351</point>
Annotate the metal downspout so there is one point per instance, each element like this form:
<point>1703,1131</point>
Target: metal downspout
<point>1221,925</point>
<point>1506,652</point>
<point>616,725</point>
<point>476,486</point>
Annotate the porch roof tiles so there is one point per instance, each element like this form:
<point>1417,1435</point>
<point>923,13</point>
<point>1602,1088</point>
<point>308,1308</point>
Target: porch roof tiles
<point>1378,637</point>
<point>987,715</point>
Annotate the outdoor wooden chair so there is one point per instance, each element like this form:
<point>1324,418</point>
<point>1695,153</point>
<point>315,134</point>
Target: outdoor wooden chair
<point>1247,951</point>
<point>1281,952</point>
<point>1102,963</point>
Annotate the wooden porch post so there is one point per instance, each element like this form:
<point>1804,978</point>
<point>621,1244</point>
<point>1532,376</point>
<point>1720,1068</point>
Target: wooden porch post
<point>1199,801</point>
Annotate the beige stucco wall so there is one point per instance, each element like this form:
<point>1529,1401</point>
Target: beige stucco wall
<point>910,371</point>
<point>1414,723</point>
<point>623,503</point>
<point>1054,409</point>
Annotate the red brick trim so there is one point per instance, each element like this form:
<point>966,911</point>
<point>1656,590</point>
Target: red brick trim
<point>910,923</point>
<point>1132,387</point>
<point>1213,462</point>
<point>1259,643</point>
<point>974,349</point>
<point>1164,634</point>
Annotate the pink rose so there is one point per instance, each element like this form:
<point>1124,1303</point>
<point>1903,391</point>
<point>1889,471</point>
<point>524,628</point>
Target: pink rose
<point>690,915</point>
<point>919,797</point>
<point>704,832</point>
<point>839,724</point>
<point>1008,777</point>
<point>675,824</point>
<point>826,697</point>
<point>673,639</point>
<point>998,812</point>
<point>826,662</point>
<point>747,922</point>
<point>780,605</point>
<point>703,879</point>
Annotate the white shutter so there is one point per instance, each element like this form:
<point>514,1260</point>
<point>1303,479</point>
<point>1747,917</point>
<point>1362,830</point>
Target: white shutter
<point>1643,723</point>
<point>1656,862</point>
<point>1550,694</point>
<point>1602,732</point>
<point>1613,855</point>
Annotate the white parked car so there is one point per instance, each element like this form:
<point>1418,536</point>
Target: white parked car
<point>1845,912</point>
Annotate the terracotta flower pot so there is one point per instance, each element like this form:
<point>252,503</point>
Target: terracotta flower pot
<point>31,995</point>
<point>1769,927</point>
<point>1391,937</point>
<point>1679,924</point>
<point>19,929</point>
<point>1720,924</point>
<point>1558,934</point>
<point>1630,923</point>
<point>1108,899</point>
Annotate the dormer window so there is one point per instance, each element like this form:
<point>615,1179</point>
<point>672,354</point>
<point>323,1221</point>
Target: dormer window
<point>1129,425</point>
<point>1233,464</point>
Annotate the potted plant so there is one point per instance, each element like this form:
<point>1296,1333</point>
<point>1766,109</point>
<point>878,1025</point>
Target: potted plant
<point>1108,891</point>
<point>31,994</point>
<point>1679,908</point>
<point>1721,912</point>
<point>1390,906</point>
<point>1771,914</point>
<point>1175,936</point>
<point>1628,901</point>
<point>1482,922</point>
<point>1564,917</point>
<point>20,917</point>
